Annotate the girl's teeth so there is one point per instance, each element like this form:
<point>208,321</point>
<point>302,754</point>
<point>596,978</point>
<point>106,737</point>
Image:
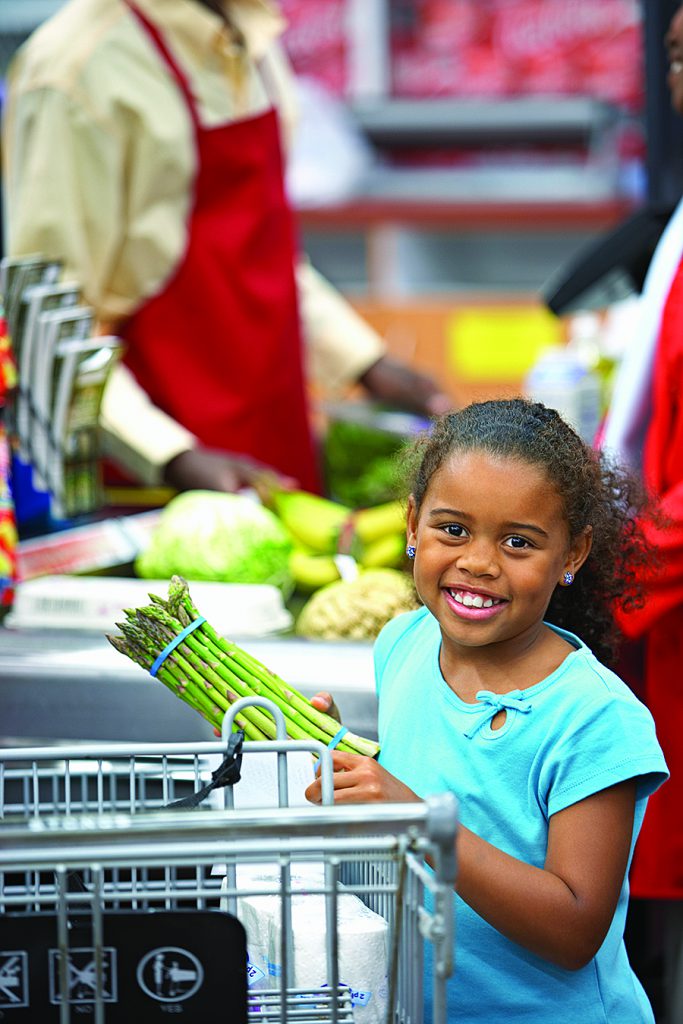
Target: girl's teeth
<point>474,600</point>
<point>676,67</point>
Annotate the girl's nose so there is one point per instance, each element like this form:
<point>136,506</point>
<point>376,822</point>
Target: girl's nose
<point>478,559</point>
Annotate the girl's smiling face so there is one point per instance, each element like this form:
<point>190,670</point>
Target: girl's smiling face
<point>492,544</point>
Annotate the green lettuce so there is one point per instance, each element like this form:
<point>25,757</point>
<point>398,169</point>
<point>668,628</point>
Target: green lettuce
<point>208,535</point>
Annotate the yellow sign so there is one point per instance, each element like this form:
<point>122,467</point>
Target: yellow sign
<point>499,342</point>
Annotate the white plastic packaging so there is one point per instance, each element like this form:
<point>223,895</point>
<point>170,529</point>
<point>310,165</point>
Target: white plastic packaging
<point>363,938</point>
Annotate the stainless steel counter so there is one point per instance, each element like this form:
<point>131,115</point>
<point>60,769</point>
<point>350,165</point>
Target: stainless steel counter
<point>57,685</point>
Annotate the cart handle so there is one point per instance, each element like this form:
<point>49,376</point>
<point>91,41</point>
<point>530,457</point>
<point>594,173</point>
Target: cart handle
<point>282,744</point>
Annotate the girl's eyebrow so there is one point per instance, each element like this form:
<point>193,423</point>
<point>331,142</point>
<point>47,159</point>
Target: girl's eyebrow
<point>448,512</point>
<point>527,526</point>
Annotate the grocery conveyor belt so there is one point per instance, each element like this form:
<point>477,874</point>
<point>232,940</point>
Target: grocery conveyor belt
<point>65,685</point>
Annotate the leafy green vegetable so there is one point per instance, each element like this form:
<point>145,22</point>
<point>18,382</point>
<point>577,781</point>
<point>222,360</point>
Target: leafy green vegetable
<point>360,464</point>
<point>207,535</point>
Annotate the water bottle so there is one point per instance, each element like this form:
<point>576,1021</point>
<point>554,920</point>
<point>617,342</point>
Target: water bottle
<point>561,380</point>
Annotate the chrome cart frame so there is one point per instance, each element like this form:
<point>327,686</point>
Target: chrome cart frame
<point>98,817</point>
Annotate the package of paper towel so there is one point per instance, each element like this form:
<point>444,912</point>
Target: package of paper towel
<point>363,937</point>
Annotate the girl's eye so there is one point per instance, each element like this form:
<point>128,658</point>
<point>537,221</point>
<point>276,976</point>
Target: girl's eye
<point>455,530</point>
<point>519,543</point>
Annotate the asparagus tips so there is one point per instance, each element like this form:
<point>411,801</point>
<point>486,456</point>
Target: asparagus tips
<point>178,590</point>
<point>211,673</point>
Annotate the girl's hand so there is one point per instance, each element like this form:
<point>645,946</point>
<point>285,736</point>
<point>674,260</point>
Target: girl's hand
<point>358,779</point>
<point>215,470</point>
<point>324,701</point>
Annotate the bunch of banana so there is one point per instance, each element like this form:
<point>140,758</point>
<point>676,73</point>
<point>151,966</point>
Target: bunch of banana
<point>322,529</point>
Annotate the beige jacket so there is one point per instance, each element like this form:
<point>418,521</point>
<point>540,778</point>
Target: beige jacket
<point>118,219</point>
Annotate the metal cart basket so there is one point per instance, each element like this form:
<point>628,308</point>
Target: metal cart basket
<point>116,907</point>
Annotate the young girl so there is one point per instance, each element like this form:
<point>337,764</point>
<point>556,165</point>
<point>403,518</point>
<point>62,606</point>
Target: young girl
<point>523,538</point>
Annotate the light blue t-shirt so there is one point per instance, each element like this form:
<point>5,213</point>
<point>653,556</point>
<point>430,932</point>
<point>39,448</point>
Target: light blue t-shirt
<point>573,734</point>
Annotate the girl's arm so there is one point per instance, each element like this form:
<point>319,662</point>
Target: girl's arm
<point>561,911</point>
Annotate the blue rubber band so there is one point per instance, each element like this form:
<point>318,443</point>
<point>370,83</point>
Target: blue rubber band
<point>338,737</point>
<point>161,658</point>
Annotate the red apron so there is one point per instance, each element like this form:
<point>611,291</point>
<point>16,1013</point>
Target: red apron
<point>219,348</point>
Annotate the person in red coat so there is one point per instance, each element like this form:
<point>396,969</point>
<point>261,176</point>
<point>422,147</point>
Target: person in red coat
<point>645,427</point>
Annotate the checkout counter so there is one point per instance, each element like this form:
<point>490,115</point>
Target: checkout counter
<point>58,685</point>
<point>59,682</point>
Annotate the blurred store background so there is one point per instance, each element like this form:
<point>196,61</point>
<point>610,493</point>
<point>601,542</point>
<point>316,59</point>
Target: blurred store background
<point>455,159</point>
<point>486,144</point>
<point>485,180</point>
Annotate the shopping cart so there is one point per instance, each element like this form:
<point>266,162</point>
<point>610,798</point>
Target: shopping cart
<point>115,906</point>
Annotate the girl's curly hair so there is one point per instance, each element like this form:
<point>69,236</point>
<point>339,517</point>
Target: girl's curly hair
<point>594,490</point>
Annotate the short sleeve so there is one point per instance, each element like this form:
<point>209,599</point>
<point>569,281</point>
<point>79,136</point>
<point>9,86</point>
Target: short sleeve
<point>604,743</point>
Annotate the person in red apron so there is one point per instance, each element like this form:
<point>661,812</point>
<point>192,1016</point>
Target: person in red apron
<point>219,347</point>
<point>147,159</point>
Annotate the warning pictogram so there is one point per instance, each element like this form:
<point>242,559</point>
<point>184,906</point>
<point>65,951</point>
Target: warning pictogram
<point>13,978</point>
<point>82,975</point>
<point>170,974</point>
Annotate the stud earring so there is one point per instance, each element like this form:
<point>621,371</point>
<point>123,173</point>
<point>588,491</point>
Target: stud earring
<point>410,551</point>
<point>568,579</point>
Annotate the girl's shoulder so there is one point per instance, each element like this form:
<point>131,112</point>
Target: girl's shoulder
<point>591,674</point>
<point>585,663</point>
<point>419,620</point>
<point>603,733</point>
<point>408,631</point>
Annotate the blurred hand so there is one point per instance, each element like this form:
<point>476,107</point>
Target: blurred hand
<point>391,381</point>
<point>360,780</point>
<point>324,701</point>
<point>207,469</point>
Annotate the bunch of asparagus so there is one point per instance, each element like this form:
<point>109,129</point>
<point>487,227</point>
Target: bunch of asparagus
<point>210,673</point>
